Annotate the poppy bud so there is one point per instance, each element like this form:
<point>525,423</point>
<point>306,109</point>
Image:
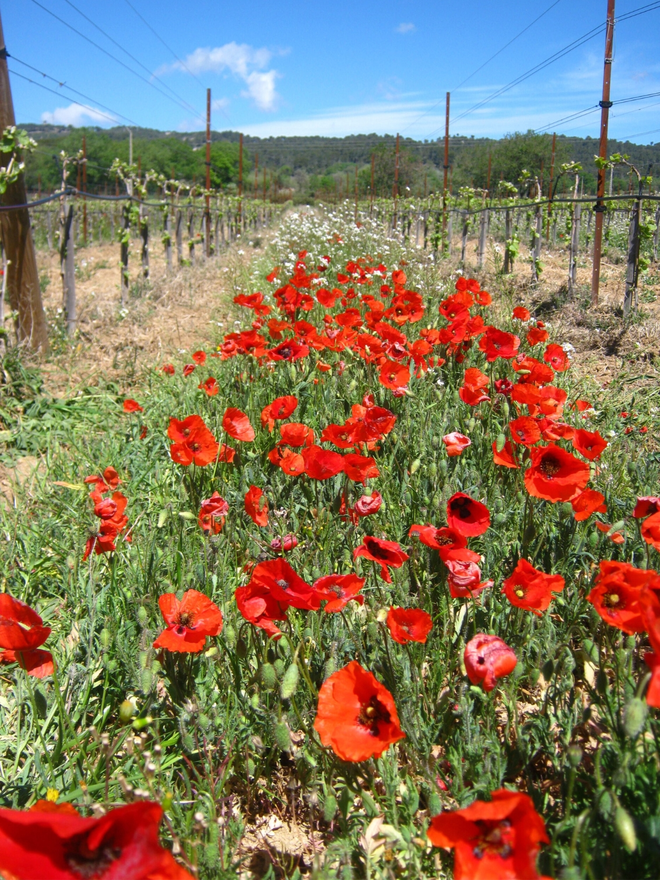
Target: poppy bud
<point>279,667</point>
<point>606,804</point>
<point>472,424</point>
<point>574,756</point>
<point>442,466</point>
<point>146,679</point>
<point>414,467</point>
<point>290,682</point>
<point>126,712</point>
<point>434,803</point>
<point>634,716</point>
<point>283,736</point>
<point>162,518</point>
<point>268,676</point>
<point>433,469</point>
<point>241,649</point>
<point>329,807</point>
<point>500,442</point>
<point>142,615</point>
<point>186,514</point>
<point>505,410</point>
<point>625,828</point>
<point>229,634</point>
<point>105,638</point>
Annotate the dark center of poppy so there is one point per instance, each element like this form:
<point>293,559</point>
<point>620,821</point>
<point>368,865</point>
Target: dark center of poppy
<point>284,352</point>
<point>372,714</point>
<point>494,839</point>
<point>376,551</point>
<point>284,585</point>
<point>611,600</point>
<point>184,620</point>
<point>443,540</point>
<point>194,447</point>
<point>86,863</point>
<point>461,507</point>
<point>550,466</point>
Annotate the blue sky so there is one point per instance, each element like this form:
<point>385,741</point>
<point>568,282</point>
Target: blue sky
<point>306,68</point>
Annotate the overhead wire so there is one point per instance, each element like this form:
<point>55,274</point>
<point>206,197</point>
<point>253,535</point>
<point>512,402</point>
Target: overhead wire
<point>131,56</point>
<point>114,57</point>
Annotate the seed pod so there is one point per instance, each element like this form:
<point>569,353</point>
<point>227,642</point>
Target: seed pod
<point>329,807</point>
<point>414,467</point>
<point>126,712</point>
<point>471,423</point>
<point>625,828</point>
<point>230,634</point>
<point>634,717</point>
<point>142,615</point>
<point>505,409</point>
<point>574,756</point>
<point>499,519</point>
<point>433,469</point>
<point>187,515</point>
<point>606,805</point>
<point>268,676</point>
<point>282,736</point>
<point>279,667</point>
<point>147,679</point>
<point>500,442</point>
<point>105,638</point>
<point>290,682</point>
<point>442,466</point>
<point>162,518</point>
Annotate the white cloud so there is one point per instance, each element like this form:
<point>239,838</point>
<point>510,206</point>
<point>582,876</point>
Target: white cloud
<point>239,59</point>
<point>76,114</point>
<point>406,27</point>
<point>219,103</point>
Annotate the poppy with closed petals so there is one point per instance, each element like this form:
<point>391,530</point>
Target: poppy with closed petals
<point>212,512</point>
<point>356,715</point>
<point>59,844</point>
<point>455,443</point>
<point>487,659</point>
<point>467,516</point>
<point>237,425</point>
<point>256,506</point>
<point>210,386</point>
<point>463,573</point>
<point>259,607</point>
<point>496,840</point>
<point>555,474</point>
<point>589,443</point>
<point>368,504</point>
<point>531,589</point>
<point>408,625</point>
<point>651,531</point>
<point>189,622</point>
<point>131,406</point>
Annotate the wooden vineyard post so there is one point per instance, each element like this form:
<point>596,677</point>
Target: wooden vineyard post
<point>207,225</point>
<point>22,275</point>
<point>575,240</point>
<point>144,234</point>
<point>123,257</point>
<point>481,253</point>
<point>632,268</point>
<point>167,237</point>
<point>68,272</point>
<point>191,236</point>
<point>508,235</point>
<point>464,237</point>
<point>450,231</point>
<point>552,174</point>
<point>178,231</point>
<point>49,229</point>
<point>605,105</point>
<point>536,250</point>
<point>446,170</point>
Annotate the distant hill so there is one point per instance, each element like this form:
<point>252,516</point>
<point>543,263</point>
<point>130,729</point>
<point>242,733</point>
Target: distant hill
<point>324,166</point>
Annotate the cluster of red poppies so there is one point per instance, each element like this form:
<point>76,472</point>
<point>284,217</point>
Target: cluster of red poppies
<point>110,511</point>
<point>21,634</point>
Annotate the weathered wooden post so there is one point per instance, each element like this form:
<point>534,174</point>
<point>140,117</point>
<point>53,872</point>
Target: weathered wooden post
<point>123,256</point>
<point>68,272</point>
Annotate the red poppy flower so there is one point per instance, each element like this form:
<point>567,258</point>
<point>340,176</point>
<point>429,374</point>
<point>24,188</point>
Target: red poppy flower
<point>456,443</point>
<point>651,531</point>
<point>189,621</point>
<point>356,715</point>
<point>168,369</point>
<point>360,468</point>
<point>589,443</point>
<point>587,502</point>
<point>285,585</point>
<point>121,845</point>
<point>273,275</point>
<point>555,474</point>
<point>474,381</point>
<point>394,375</point>
<point>193,442</point>
<point>368,504</point>
<point>504,386</point>
<point>292,463</point>
<point>210,386</point>
<point>443,539</point>
<point>498,840</point>
<point>280,408</point>
<point>237,425</point>
<point>131,406</point>
<point>339,590</point>
<point>409,625</point>
<point>188,369</point>
<point>504,457</point>
<point>21,633</point>
<point>385,553</point>
<point>285,544</point>
<point>463,573</point>
<point>296,434</point>
<point>212,514</point>
<point>525,431</point>
<point>616,592</point>
<point>530,588</point>
<point>199,357</point>
<point>260,608</point>
<point>288,351</point>
<point>498,344</point>
<point>556,357</point>
<point>615,537</point>
<point>521,313</point>
<point>487,659</point>
<point>322,464</point>
<point>226,453</point>
<point>536,334</point>
<point>646,505</point>
<point>467,516</point>
<point>256,506</point>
